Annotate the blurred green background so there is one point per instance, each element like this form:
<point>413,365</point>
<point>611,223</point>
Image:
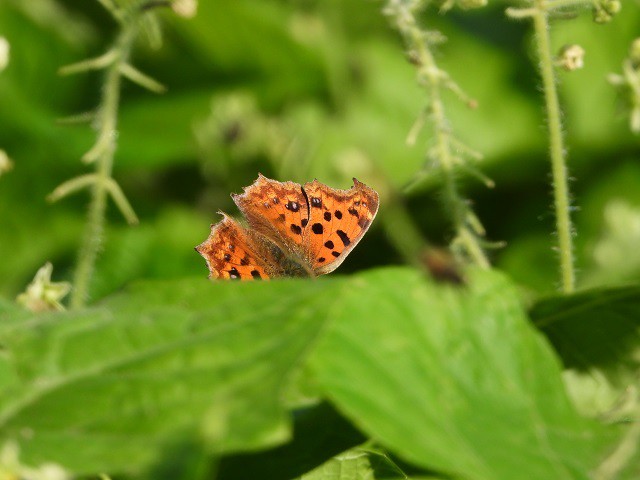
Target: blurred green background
<point>303,89</point>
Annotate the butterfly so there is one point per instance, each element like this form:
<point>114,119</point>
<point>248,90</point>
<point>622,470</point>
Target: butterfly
<point>294,230</point>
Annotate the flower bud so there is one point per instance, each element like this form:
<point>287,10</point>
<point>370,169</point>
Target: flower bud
<point>185,8</point>
<point>570,57</point>
<point>604,10</point>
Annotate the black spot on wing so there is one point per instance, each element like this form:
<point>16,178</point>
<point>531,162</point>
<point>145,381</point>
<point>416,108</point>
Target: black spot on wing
<point>256,274</point>
<point>234,274</point>
<point>344,237</point>
<point>296,229</point>
<point>327,216</point>
<point>329,244</point>
<point>317,228</point>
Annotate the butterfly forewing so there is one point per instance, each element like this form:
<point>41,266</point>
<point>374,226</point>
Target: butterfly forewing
<point>276,210</point>
<point>338,219</point>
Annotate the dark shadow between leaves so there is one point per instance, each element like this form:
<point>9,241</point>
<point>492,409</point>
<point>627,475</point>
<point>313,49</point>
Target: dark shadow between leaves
<point>319,433</point>
<point>595,328</point>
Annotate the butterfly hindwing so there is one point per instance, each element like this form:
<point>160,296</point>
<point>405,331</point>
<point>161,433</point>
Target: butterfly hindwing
<point>232,255</point>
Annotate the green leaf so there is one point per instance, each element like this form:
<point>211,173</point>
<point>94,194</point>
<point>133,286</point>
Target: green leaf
<point>595,328</point>
<point>595,331</point>
<point>455,380</point>
<point>597,334</point>
<point>451,379</point>
<point>103,389</point>
<point>363,463</point>
<point>351,465</point>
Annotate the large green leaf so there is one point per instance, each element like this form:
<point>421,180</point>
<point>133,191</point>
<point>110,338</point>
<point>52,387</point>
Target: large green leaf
<point>452,379</point>
<point>104,388</point>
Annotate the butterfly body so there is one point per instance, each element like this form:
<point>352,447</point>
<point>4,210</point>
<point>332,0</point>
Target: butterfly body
<point>294,230</point>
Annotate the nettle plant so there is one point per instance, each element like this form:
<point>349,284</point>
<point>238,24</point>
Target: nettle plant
<point>385,373</point>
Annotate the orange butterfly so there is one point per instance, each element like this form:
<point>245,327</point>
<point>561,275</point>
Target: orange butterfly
<point>294,230</point>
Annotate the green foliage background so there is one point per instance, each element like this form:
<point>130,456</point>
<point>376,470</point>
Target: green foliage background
<point>168,376</point>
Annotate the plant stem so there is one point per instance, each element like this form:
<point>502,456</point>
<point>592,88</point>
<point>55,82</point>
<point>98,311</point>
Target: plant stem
<point>108,116</point>
<point>556,148</point>
<point>443,150</point>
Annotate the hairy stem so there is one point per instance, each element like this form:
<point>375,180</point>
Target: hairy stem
<point>434,77</point>
<point>107,116</point>
<point>556,148</point>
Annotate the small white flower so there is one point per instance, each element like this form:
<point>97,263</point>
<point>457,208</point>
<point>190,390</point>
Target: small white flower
<point>4,53</point>
<point>185,8</point>
<point>42,294</point>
